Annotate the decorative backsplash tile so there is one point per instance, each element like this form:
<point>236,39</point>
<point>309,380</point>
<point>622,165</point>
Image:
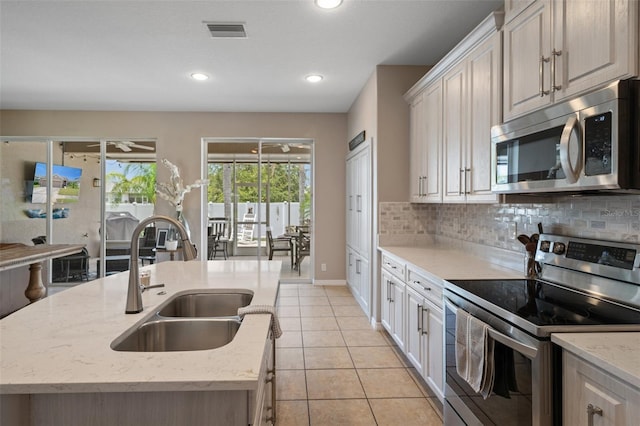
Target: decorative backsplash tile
<point>615,218</point>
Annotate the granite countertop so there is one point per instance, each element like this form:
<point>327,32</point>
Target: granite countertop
<point>615,353</point>
<point>446,263</point>
<point>62,343</point>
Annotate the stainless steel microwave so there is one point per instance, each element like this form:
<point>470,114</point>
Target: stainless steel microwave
<point>590,143</point>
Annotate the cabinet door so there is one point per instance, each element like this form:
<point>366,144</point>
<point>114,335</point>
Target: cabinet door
<point>432,158</point>
<point>362,270</point>
<point>596,41</point>
<point>485,106</point>
<point>385,300</point>
<point>526,42</point>
<point>454,133</point>
<point>413,335</point>
<point>435,348</point>
<point>416,149</point>
<point>397,313</point>
<point>363,202</point>
<point>349,201</point>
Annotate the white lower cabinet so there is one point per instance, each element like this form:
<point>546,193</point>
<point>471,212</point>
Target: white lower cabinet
<point>392,299</point>
<point>592,396</point>
<point>411,311</point>
<point>424,340</point>
<point>358,278</point>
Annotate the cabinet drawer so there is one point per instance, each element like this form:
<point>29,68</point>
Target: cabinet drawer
<point>425,287</point>
<point>394,267</point>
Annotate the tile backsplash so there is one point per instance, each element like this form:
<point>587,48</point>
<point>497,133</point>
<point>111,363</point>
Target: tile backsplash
<point>615,218</point>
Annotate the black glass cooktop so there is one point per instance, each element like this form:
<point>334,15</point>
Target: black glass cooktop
<point>546,304</point>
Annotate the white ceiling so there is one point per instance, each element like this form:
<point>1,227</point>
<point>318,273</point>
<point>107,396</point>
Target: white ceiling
<point>138,55</point>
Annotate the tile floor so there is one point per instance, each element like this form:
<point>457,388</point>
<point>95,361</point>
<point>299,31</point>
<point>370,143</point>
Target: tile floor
<point>334,369</point>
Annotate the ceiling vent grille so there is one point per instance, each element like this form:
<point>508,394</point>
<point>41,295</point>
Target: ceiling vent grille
<point>218,30</point>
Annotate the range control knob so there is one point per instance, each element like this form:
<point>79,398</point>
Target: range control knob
<point>559,248</point>
<point>545,245</point>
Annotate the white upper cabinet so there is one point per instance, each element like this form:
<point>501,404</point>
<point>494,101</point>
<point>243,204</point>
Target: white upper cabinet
<point>472,104</point>
<point>452,110</point>
<point>556,49</point>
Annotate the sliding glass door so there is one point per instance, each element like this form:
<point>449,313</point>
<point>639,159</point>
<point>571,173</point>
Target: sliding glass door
<point>263,188</point>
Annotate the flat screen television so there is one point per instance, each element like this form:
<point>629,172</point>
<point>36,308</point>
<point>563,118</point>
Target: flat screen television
<point>65,183</point>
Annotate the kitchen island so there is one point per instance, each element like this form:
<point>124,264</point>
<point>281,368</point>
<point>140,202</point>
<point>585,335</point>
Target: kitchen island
<point>57,366</point>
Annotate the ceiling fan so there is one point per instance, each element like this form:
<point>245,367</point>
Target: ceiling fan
<point>125,146</point>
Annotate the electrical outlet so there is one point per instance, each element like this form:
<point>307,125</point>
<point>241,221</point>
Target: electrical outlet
<point>323,267</point>
<point>513,230</point>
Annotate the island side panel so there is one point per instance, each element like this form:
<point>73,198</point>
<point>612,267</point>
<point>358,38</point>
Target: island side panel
<point>141,408</point>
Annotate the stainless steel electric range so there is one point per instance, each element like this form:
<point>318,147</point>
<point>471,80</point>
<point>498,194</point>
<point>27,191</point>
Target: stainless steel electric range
<point>584,286</point>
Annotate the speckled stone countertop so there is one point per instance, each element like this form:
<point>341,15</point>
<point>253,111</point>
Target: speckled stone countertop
<point>62,343</point>
<point>615,353</point>
<point>447,263</point>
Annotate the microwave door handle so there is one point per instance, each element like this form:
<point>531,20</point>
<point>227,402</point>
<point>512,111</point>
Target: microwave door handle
<point>571,136</point>
<point>526,350</point>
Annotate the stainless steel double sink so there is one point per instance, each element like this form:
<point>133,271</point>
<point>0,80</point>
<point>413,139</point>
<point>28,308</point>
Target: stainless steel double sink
<point>189,321</point>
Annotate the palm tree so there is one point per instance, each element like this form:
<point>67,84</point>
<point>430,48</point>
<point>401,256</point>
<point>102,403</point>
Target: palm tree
<point>142,182</point>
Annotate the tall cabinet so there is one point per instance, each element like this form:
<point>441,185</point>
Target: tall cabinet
<point>359,204</point>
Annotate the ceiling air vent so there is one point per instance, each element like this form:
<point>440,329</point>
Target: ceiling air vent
<point>219,30</point>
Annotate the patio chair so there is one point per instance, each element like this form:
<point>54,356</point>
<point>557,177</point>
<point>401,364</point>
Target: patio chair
<point>277,244</point>
<point>303,246</point>
<point>218,227</point>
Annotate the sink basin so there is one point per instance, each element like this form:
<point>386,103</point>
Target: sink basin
<point>178,335</point>
<point>198,305</point>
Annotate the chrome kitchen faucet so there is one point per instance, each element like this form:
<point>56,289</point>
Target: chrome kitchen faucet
<point>134,293</point>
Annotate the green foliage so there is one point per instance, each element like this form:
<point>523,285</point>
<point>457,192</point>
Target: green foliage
<point>143,181</point>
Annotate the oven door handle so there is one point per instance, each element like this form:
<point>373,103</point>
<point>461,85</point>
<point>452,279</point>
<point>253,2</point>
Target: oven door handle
<point>526,350</point>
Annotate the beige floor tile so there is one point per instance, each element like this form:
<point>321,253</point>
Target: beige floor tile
<point>351,412</point>
<point>290,323</point>
<point>402,357</point>
<point>288,311</point>
<point>348,311</point>
<point>316,311</point>
<point>326,358</point>
<point>291,385</point>
<point>405,412</point>
<point>288,291</point>
<point>292,413</point>
<point>288,301</point>
<point>315,339</point>
<point>364,338</point>
<point>342,301</point>
<point>388,383</point>
<point>311,292</point>
<point>319,323</point>
<point>353,323</point>
<point>374,357</point>
<point>419,381</point>
<point>314,301</point>
<point>333,384</point>
<point>289,359</point>
<point>337,290</point>
<point>289,339</point>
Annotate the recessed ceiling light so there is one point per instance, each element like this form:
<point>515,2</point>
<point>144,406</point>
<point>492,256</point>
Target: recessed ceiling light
<point>328,4</point>
<point>314,78</point>
<point>199,76</point>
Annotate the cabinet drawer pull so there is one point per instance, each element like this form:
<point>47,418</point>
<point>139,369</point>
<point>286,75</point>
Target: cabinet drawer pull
<point>425,330</point>
<point>427,288</point>
<point>554,54</point>
<point>543,60</point>
<point>591,410</point>
<point>419,318</point>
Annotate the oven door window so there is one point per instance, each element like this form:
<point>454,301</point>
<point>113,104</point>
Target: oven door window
<point>513,407</point>
<point>534,157</point>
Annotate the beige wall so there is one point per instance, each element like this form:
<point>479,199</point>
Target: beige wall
<point>178,136</point>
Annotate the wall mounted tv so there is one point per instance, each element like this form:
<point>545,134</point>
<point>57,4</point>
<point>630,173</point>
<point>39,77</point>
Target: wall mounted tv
<point>65,184</point>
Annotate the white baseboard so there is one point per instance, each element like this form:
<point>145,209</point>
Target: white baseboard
<point>329,282</point>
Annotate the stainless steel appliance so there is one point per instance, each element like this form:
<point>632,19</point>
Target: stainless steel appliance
<point>585,285</point>
<point>586,144</point>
